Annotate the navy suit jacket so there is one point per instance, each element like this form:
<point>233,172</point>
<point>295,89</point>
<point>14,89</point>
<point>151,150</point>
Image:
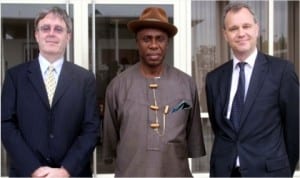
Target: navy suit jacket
<point>36,135</point>
<point>267,142</point>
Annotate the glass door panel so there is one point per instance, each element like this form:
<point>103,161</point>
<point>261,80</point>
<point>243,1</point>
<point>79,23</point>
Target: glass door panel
<point>286,31</point>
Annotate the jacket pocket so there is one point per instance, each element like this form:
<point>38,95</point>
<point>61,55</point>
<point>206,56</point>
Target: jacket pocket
<point>277,163</point>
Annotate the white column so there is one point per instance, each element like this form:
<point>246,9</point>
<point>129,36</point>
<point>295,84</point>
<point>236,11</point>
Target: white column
<point>182,41</point>
<point>80,34</point>
<point>271,28</point>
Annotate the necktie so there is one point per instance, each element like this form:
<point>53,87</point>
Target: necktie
<point>238,101</point>
<point>50,83</point>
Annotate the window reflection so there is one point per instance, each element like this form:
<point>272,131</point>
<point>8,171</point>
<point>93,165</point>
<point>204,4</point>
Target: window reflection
<point>280,29</point>
<point>286,31</point>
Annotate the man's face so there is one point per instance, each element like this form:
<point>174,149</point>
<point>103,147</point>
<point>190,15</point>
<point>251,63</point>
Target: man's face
<point>241,32</point>
<point>52,36</point>
<point>152,45</point>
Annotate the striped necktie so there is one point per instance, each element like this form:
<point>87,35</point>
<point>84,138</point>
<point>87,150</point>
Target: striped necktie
<point>50,83</point>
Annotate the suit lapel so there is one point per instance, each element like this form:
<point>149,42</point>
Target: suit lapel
<point>256,82</point>
<point>225,90</point>
<point>35,77</point>
<point>63,83</point>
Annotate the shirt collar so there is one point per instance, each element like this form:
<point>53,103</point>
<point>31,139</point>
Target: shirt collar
<point>44,64</point>
<point>249,60</point>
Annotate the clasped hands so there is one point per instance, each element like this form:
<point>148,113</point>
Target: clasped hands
<point>47,172</point>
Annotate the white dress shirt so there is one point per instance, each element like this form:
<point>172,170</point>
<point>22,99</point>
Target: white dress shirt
<point>250,61</point>
<point>44,64</point>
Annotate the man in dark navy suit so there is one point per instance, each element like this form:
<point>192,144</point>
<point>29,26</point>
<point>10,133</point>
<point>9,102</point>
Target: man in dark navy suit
<point>253,105</point>
<point>49,120</point>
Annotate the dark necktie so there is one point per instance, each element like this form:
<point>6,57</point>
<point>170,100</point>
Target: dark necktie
<point>238,101</point>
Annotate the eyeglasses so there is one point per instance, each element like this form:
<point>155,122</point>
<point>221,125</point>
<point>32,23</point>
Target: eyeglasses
<point>47,28</point>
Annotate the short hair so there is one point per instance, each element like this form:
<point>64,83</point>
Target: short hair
<point>235,6</point>
<point>58,12</point>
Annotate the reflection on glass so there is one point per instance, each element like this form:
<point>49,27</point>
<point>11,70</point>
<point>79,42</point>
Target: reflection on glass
<point>281,29</point>
<point>286,31</point>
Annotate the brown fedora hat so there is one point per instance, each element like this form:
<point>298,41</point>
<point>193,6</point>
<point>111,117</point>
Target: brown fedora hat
<point>153,17</point>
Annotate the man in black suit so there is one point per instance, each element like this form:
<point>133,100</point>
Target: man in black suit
<point>49,130</point>
<point>253,107</point>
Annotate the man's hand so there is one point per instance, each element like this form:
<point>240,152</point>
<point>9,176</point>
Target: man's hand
<point>58,172</point>
<point>48,172</point>
<point>41,172</point>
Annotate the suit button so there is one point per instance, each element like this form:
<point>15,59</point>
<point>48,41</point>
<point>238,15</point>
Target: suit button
<point>51,136</point>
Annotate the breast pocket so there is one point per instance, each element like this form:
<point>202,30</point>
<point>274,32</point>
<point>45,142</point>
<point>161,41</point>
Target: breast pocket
<point>266,103</point>
<point>178,113</point>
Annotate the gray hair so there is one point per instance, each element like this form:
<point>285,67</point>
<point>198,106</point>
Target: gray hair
<point>235,6</point>
<point>58,12</point>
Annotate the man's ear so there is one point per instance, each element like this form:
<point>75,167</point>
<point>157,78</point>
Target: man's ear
<point>224,34</point>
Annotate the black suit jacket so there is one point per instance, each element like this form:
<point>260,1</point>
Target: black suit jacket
<point>36,135</point>
<point>268,140</point>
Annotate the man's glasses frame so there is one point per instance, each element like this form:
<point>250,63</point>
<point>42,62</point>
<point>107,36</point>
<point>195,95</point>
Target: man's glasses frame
<point>47,29</point>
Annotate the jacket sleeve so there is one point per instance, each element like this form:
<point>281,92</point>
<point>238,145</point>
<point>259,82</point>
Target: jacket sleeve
<point>195,139</point>
<point>110,124</point>
<point>82,149</point>
<point>209,100</point>
<point>289,107</point>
